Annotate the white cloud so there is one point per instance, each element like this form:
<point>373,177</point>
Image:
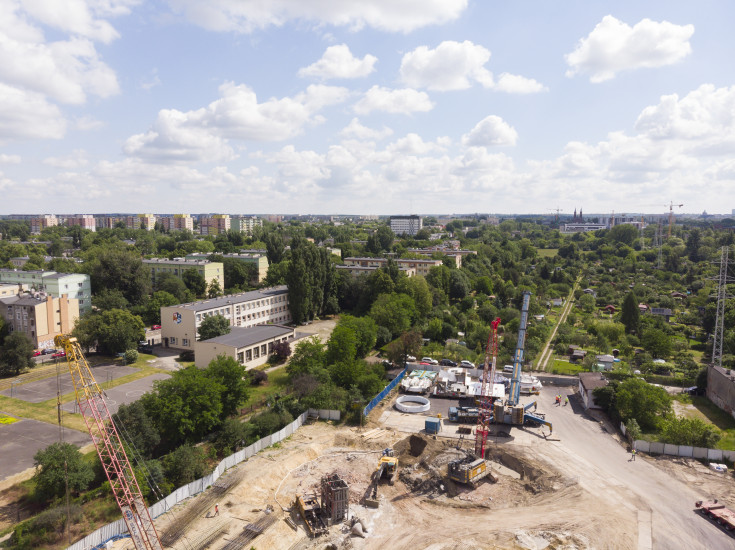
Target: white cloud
<point>613,46</point>
<point>249,15</point>
<point>516,84</point>
<point>9,159</point>
<point>451,66</point>
<point>201,135</point>
<point>358,131</point>
<point>402,101</point>
<point>70,68</point>
<point>413,144</point>
<point>26,115</point>
<point>338,62</point>
<point>77,159</point>
<point>489,132</point>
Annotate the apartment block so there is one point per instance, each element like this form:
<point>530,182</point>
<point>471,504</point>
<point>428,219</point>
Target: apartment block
<point>214,225</point>
<point>260,261</point>
<point>76,286</point>
<point>245,224</point>
<point>107,222</point>
<point>180,324</point>
<point>421,267</point>
<point>176,267</point>
<point>406,225</point>
<point>85,221</point>
<point>41,222</point>
<point>178,222</point>
<point>39,316</point>
<point>141,221</point>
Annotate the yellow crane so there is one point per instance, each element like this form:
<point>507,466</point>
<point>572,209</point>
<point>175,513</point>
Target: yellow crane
<point>109,447</point>
<point>671,216</point>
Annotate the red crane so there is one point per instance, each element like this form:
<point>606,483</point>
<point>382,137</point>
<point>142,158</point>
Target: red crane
<point>485,400</point>
<point>109,447</point>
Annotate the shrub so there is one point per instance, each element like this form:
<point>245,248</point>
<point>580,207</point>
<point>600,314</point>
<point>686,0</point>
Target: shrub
<point>257,377</point>
<point>131,356</point>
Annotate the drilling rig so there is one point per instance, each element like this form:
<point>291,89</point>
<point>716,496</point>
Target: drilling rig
<point>109,447</point>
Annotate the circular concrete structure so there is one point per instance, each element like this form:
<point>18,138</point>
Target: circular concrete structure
<point>412,404</point>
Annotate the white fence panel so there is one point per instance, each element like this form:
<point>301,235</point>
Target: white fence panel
<point>266,442</point>
<point>686,451</point>
<point>730,455</point>
<point>670,449</point>
<point>714,455</point>
<point>656,447</point>
<point>699,452</point>
<point>642,446</point>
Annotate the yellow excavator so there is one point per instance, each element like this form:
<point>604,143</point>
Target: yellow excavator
<point>387,468</point>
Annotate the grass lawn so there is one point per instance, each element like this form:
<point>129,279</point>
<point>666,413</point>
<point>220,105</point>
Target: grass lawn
<point>547,252</point>
<point>277,382</point>
<point>719,418</point>
<point>565,367</point>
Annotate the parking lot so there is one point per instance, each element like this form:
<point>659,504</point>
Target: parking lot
<point>124,394</point>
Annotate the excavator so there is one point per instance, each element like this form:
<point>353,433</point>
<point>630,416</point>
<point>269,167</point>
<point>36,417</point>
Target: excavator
<point>387,468</point>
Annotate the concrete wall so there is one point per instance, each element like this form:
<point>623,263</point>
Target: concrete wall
<point>721,389</point>
<point>712,455</point>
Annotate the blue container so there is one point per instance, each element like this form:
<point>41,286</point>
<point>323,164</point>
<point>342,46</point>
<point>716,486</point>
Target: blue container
<point>433,425</point>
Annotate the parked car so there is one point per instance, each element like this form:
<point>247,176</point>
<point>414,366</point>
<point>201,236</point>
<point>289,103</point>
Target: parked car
<point>37,352</point>
<point>410,358</point>
<point>59,354</point>
<point>48,351</point>
<point>467,364</point>
<point>155,327</point>
<point>448,363</point>
<point>429,360</point>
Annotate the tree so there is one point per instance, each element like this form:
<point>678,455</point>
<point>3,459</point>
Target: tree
<point>409,343</point>
<point>277,274</point>
<point>381,240</point>
<point>213,326</point>
<point>274,247</point>
<point>311,280</point>
<point>690,431</point>
<point>110,298</point>
<point>282,350</point>
<point>630,314</point>
<point>309,357</point>
<point>16,353</point>
<point>123,270</point>
<point>168,282</point>
<point>395,312</point>
<point>342,345</point>
<point>185,407</point>
<point>159,299</point>
<point>459,284</point>
<point>56,464</point>
<point>138,427</point>
<point>194,281</point>
<point>636,398</point>
<point>230,374</point>
<point>114,331</point>
<point>184,465</point>
<point>365,331</point>
<point>587,303</point>
<point>656,342</point>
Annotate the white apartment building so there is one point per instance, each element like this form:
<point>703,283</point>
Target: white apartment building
<point>406,225</point>
<point>180,324</point>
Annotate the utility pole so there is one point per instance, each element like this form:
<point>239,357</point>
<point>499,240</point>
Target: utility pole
<point>723,279</point>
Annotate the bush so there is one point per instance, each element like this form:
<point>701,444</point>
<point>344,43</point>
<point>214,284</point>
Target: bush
<point>257,377</point>
<point>186,355</point>
<point>131,356</point>
<point>270,422</point>
<point>184,465</point>
<point>689,431</point>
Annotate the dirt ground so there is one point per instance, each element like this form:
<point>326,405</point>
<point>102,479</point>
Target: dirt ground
<point>538,502</point>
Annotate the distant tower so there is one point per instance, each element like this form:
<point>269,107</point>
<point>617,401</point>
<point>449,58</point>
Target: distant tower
<point>575,216</point>
<point>581,219</point>
<point>720,318</point>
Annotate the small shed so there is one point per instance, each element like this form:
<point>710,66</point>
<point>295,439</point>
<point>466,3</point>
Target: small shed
<point>588,382</point>
<point>605,361</point>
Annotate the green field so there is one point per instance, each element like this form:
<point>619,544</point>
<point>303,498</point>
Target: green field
<point>565,367</point>
<point>719,418</point>
<point>547,252</point>
<point>277,382</point>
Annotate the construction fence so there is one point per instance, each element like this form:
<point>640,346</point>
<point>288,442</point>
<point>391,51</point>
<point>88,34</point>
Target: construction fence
<point>118,527</point>
<point>712,455</point>
<point>378,398</point>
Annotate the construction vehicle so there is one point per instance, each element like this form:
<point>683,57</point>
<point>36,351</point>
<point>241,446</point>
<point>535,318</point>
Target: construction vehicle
<point>110,450</point>
<point>718,512</point>
<point>313,515</point>
<point>387,468</point>
<point>463,414</point>
<point>469,470</point>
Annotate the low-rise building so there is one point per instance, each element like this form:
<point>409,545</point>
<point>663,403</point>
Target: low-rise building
<point>588,382</point>
<point>176,267</point>
<point>356,270</point>
<point>248,346</point>
<point>180,324</point>
<point>77,286</point>
<point>39,316</point>
<point>422,267</point>
<point>260,261</point>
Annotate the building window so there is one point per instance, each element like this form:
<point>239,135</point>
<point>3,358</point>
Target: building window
<point>248,355</point>
<point>185,342</point>
<point>262,349</point>
<point>240,357</point>
<point>256,352</point>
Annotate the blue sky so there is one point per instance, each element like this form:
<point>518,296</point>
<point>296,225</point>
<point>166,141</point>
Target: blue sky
<point>366,106</point>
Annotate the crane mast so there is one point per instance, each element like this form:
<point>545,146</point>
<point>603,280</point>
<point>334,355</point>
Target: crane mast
<point>486,399</point>
<point>109,447</point>
<point>514,394</point>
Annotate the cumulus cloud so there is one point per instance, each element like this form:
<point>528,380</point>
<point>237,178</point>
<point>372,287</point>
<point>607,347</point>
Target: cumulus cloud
<point>338,62</point>
<point>614,46</point>
<point>77,159</point>
<point>489,132</point>
<point>403,101</point>
<point>202,135</point>
<point>9,159</point>
<point>516,84</point>
<point>451,66</point>
<point>26,115</point>
<point>356,130</point>
<point>248,15</point>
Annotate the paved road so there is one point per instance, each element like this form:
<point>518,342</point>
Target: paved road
<point>663,503</point>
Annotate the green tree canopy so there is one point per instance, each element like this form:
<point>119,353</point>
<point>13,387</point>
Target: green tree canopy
<point>133,421</point>
<point>395,312</point>
<point>232,375</point>
<point>194,281</point>
<point>630,314</point>
<point>113,268</point>
<point>213,326</point>
<point>636,398</point>
<point>309,357</point>
<point>114,331</point>
<point>57,463</point>
<point>365,331</point>
<point>159,299</point>
<point>16,354</point>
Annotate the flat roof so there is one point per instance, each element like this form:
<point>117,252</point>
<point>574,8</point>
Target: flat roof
<point>240,337</point>
<point>235,298</point>
<point>592,380</point>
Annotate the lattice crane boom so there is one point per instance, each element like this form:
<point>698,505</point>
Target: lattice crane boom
<point>486,398</point>
<point>109,447</point>
<point>514,394</point>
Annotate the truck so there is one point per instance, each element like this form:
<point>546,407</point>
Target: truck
<point>718,512</point>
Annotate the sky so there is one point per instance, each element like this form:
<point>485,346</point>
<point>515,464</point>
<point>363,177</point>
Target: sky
<point>366,106</point>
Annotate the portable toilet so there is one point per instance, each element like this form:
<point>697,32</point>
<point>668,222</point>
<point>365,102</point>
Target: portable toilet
<point>433,425</point>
